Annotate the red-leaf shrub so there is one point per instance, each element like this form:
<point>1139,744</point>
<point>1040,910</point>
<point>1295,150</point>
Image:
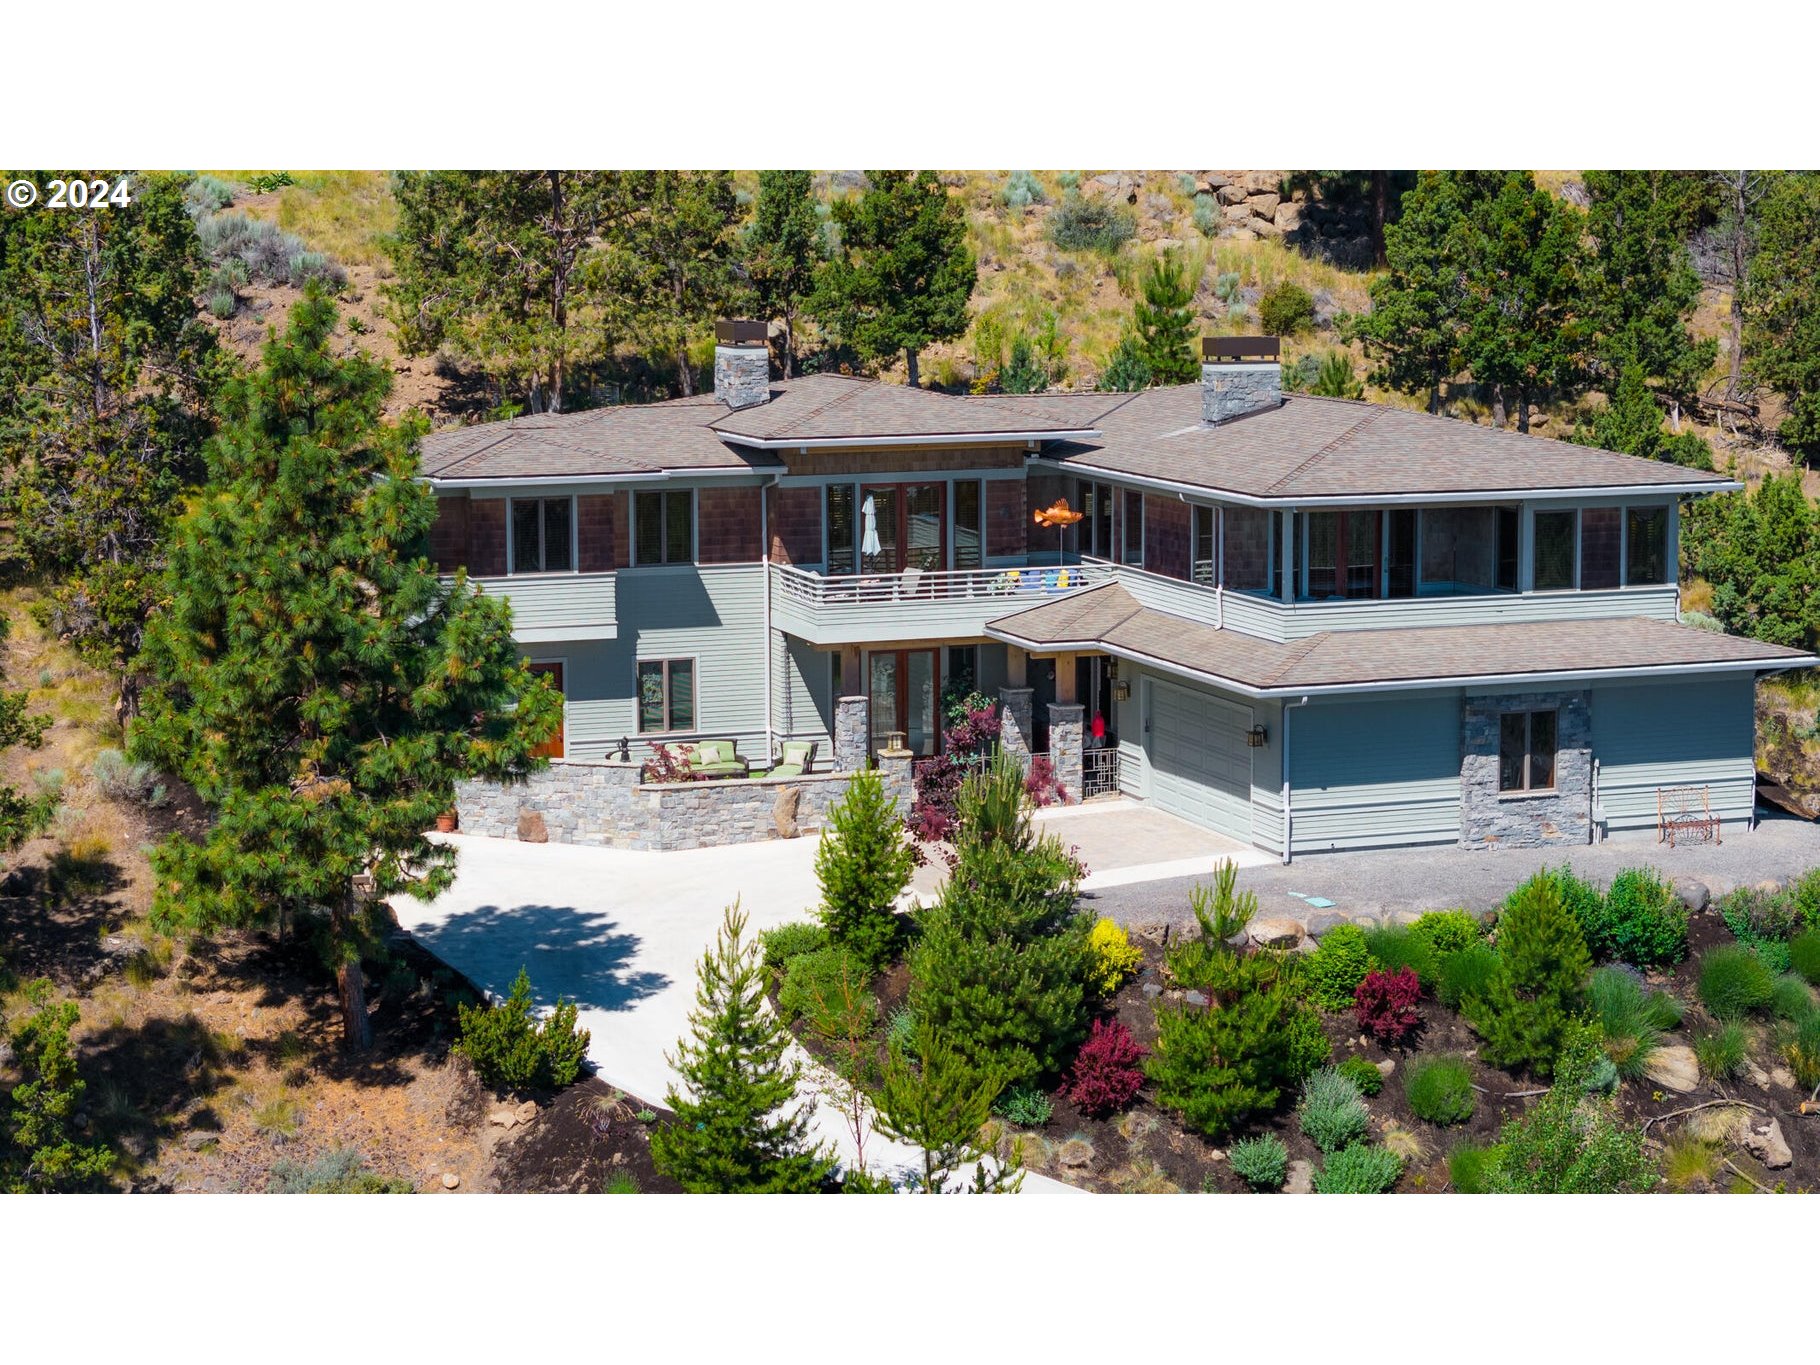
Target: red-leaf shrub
<point>668,764</point>
<point>938,780</point>
<point>1385,1003</point>
<point>1108,1070</point>
<point>1040,782</point>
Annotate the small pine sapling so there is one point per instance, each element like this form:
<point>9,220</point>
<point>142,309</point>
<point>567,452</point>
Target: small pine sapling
<point>863,864</point>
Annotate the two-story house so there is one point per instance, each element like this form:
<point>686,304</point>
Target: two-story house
<point>1307,623</point>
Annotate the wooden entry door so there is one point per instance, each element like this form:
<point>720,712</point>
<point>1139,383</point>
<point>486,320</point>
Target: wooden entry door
<point>552,747</point>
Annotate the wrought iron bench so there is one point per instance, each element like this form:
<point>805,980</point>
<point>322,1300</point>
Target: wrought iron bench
<point>1685,813</point>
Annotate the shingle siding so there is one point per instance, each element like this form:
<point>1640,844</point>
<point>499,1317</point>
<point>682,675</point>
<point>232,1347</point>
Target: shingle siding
<point>1006,518</point>
<point>486,537</point>
<point>449,533</point>
<point>727,526</point>
<point>599,520</point>
<point>1167,531</point>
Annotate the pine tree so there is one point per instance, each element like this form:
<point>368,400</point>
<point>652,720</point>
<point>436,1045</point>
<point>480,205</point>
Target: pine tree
<point>1023,372</point>
<point>1335,378</point>
<point>1000,966</point>
<point>1163,320</point>
<point>1127,371</point>
<point>733,1132</point>
<point>1782,306</point>
<point>1631,422</point>
<point>1534,1000</point>
<point>20,816</point>
<point>785,246</point>
<point>314,680</point>
<point>901,277</point>
<point>939,1103</point>
<point>39,1152</point>
<point>863,864</point>
<point>111,378</point>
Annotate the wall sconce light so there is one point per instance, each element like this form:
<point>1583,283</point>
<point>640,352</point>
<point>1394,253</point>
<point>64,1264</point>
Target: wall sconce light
<point>1256,737</point>
<point>1121,691</point>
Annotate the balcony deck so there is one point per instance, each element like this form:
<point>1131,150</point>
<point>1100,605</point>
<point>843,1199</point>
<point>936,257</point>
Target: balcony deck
<point>946,604</point>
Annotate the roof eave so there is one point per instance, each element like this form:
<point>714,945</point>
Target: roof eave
<point>974,438</point>
<point>553,480</point>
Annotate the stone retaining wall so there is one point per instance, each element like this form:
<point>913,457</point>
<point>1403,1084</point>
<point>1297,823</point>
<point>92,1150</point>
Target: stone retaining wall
<point>606,804</point>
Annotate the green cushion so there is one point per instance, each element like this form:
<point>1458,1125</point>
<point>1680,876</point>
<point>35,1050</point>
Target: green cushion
<point>797,752</point>
<point>711,751</point>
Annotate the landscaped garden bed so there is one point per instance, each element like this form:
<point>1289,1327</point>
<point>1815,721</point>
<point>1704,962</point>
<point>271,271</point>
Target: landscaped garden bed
<point>1580,1039</point>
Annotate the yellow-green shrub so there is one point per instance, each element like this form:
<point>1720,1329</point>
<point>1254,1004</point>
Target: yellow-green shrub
<point>1112,958</point>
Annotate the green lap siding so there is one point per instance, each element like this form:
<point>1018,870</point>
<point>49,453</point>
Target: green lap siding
<point>1375,773</point>
<point>1688,733</point>
<point>713,614</point>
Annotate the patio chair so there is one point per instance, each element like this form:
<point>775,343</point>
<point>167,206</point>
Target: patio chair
<point>908,581</point>
<point>794,758</point>
<point>1685,813</point>
<point>717,758</point>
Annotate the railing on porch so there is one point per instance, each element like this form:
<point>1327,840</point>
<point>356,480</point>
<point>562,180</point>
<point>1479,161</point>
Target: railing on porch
<point>1100,771</point>
<point>924,585</point>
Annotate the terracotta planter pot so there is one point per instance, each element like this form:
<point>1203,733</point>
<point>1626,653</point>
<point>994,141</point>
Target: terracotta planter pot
<point>447,822</point>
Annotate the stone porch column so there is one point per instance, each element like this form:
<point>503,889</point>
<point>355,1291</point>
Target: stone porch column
<point>1065,744</point>
<point>1015,707</point>
<point>852,732</point>
<point>894,769</point>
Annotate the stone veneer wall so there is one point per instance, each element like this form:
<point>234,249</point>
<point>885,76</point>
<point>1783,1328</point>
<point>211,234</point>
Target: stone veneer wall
<point>606,804</point>
<point>1493,819</point>
<point>1065,748</point>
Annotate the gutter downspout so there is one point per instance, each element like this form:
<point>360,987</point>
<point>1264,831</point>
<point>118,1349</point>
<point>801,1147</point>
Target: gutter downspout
<point>1288,813</point>
<point>764,527</point>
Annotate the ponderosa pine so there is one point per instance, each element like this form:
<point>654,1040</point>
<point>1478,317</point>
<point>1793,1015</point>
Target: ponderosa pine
<point>314,679</point>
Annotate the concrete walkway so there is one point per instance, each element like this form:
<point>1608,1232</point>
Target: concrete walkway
<point>621,933</point>
<point>1781,847</point>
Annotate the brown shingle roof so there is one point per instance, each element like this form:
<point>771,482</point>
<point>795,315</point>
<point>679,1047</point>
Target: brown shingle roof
<point>830,407</point>
<point>1330,447</point>
<point>644,438</point>
<point>1111,619</point>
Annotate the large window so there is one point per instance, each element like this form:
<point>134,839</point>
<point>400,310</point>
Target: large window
<point>664,527</point>
<point>1201,556</point>
<point>542,535</point>
<point>666,695</point>
<point>1526,751</point>
<point>1134,527</point>
<point>1247,556</point>
<point>1645,545</point>
<point>1601,537</point>
<point>969,524</point>
<point>1096,525</point>
<point>1556,533</point>
<point>1343,550</point>
<point>842,528</point>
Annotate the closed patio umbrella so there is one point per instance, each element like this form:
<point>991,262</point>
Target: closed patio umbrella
<point>868,543</point>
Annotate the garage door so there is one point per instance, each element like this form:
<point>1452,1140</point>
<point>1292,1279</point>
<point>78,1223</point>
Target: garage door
<point>1200,767</point>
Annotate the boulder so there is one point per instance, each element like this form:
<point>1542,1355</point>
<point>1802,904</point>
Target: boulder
<point>1323,920</point>
<point>1763,1140</point>
<point>1694,893</point>
<point>1264,205</point>
<point>450,1180</point>
<point>526,1111</point>
<point>1151,991</point>
<point>783,812</point>
<point>1387,1066</point>
<point>1213,182</point>
<point>1769,886</point>
<point>1230,194</point>
<point>1276,933</point>
<point>503,1118</point>
<point>1288,217</point>
<point>1301,1178</point>
<point>531,828</point>
<point>1402,919</point>
<point>1264,227</point>
<point>1782,1076</point>
<point>1674,1068</point>
<point>1194,998</point>
<point>1755,1074</point>
<point>1260,182</point>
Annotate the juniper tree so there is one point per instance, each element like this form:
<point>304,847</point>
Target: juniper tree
<point>110,379</point>
<point>902,273</point>
<point>1126,370</point>
<point>313,679</point>
<point>785,246</point>
<point>20,816</point>
<point>738,1128</point>
<point>39,1152</point>
<point>1782,306</point>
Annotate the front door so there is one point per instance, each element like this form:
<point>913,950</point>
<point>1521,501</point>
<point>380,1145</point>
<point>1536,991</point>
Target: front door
<point>905,687</point>
<point>552,747</point>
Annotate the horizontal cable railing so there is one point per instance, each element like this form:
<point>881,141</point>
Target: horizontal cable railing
<point>936,585</point>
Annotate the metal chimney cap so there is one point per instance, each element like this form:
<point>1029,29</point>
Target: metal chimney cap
<point>1238,350</point>
<point>741,332</point>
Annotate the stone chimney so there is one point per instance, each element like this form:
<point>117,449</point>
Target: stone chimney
<point>1239,375</point>
<point>742,363</point>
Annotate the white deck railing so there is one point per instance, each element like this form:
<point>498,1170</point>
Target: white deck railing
<point>1012,586</point>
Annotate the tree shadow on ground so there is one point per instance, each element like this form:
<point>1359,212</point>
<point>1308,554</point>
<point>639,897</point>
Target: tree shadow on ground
<point>143,1080</point>
<point>52,918</point>
<point>580,955</point>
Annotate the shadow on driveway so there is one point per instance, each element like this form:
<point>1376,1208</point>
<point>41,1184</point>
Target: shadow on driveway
<point>581,955</point>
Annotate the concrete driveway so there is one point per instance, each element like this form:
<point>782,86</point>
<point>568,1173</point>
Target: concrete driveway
<point>621,933</point>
